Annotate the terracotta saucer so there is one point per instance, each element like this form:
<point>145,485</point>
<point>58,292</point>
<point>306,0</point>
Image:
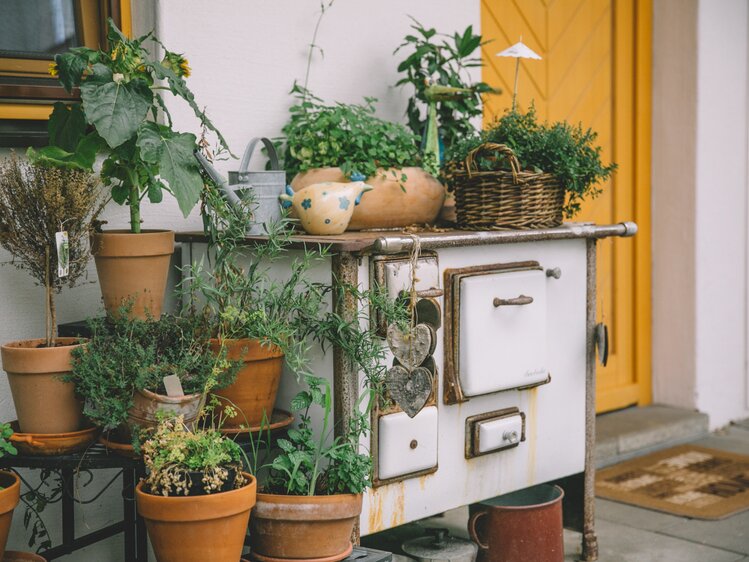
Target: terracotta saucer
<point>334,558</point>
<point>51,444</point>
<point>278,420</point>
<point>12,556</point>
<point>117,447</point>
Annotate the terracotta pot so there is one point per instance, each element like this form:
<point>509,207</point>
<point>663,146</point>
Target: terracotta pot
<point>197,528</point>
<point>9,496</point>
<point>523,525</point>
<point>146,405</point>
<point>387,205</point>
<point>44,403</point>
<point>253,393</point>
<point>133,266</point>
<point>53,444</point>
<point>304,527</point>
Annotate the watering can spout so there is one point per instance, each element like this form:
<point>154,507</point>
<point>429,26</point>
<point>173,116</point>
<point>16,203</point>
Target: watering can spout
<point>218,179</point>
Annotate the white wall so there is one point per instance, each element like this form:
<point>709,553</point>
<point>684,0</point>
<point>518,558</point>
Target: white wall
<point>245,55</point>
<point>721,210</point>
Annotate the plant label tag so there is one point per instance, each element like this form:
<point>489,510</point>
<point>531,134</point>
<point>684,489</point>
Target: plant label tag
<point>173,386</point>
<point>63,253</point>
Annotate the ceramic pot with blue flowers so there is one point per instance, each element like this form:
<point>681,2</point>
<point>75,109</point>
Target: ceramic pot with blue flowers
<point>326,208</point>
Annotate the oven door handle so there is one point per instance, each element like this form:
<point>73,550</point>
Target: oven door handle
<point>517,301</point>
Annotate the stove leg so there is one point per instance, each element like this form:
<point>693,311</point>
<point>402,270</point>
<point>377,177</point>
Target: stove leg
<point>590,542</point>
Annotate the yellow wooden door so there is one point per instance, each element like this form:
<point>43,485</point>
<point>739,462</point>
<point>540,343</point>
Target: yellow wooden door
<point>596,71</point>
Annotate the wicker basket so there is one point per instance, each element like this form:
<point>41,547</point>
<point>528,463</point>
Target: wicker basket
<point>502,199</point>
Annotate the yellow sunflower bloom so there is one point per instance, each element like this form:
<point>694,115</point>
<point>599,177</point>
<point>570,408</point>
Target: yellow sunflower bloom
<point>53,70</point>
<point>183,65</point>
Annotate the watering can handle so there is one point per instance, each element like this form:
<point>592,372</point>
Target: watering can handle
<point>272,155</point>
<point>472,529</point>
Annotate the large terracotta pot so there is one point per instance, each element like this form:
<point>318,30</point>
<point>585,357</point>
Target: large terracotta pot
<point>387,205</point>
<point>253,393</point>
<point>301,528</point>
<point>44,403</point>
<point>133,267</point>
<point>146,405</point>
<point>10,493</point>
<point>197,528</point>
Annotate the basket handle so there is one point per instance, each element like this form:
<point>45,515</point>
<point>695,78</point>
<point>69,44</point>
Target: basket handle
<point>272,156</point>
<point>503,149</point>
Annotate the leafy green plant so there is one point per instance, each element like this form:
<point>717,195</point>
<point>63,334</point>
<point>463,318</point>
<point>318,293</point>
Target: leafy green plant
<point>121,98</point>
<point>36,202</point>
<point>439,59</point>
<point>565,151</point>
<point>126,354</point>
<point>318,135</point>
<point>6,447</point>
<point>314,464</point>
<point>173,452</point>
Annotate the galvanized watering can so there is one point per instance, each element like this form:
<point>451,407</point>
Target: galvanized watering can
<point>265,186</point>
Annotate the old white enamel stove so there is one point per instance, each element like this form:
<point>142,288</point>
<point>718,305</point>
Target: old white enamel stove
<point>511,369</point>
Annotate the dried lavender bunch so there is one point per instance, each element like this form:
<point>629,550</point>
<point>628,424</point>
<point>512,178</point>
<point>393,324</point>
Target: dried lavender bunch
<point>36,202</point>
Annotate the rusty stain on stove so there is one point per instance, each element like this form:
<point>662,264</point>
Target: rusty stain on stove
<point>398,516</point>
<point>375,510</point>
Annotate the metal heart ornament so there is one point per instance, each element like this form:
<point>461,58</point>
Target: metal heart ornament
<point>412,346</point>
<point>410,390</point>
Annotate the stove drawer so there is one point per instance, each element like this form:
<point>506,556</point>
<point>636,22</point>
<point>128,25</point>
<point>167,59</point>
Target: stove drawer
<point>407,446</point>
<point>498,335</point>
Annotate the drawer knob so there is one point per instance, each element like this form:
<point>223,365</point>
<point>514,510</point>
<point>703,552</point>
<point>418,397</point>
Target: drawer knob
<point>555,272</point>
<point>510,436</point>
<point>413,444</point>
<point>517,301</point>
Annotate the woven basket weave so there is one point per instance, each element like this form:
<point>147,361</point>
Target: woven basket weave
<point>505,199</point>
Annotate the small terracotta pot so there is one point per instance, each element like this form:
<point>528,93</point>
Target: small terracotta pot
<point>301,528</point>
<point>146,405</point>
<point>53,444</point>
<point>133,266</point>
<point>197,528</point>
<point>253,393</point>
<point>44,403</point>
<point>387,205</point>
<point>9,497</point>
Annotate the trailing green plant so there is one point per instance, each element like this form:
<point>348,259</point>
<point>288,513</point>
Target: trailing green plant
<point>310,463</point>
<point>126,354</point>
<point>350,136</point>
<point>174,451</point>
<point>36,202</point>
<point>440,59</point>
<point>121,99</point>
<point>6,447</point>
<point>568,152</point>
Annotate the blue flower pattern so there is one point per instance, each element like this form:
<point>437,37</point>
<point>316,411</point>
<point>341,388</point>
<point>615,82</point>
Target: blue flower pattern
<point>343,203</point>
<point>307,203</point>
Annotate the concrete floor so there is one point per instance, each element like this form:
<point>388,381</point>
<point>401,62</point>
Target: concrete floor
<point>631,534</point>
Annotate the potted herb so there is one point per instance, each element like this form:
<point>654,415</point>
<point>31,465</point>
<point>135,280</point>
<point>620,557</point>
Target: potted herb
<point>256,320</point>
<point>195,499</point>
<point>313,494</point>
<point>121,99</point>
<point>46,215</point>
<point>343,142</point>
<point>10,487</point>
<point>521,173</point>
<point>123,372</point>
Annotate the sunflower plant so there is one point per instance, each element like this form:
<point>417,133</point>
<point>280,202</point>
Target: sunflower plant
<point>122,114</point>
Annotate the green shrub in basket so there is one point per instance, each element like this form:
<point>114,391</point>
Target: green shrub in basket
<point>567,152</point>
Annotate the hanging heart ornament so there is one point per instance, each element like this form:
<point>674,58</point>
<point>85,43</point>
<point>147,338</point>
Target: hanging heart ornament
<point>413,345</point>
<point>410,390</point>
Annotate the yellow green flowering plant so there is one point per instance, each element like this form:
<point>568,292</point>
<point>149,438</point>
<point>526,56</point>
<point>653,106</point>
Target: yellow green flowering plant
<point>120,115</point>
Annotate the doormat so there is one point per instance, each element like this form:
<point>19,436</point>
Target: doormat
<point>685,480</point>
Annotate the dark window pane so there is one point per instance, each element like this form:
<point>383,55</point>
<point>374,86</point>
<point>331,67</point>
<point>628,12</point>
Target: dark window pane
<point>36,28</point>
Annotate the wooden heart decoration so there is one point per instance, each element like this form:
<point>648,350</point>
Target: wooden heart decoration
<point>412,346</point>
<point>410,390</point>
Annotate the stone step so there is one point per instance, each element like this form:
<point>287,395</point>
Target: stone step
<point>633,432</point>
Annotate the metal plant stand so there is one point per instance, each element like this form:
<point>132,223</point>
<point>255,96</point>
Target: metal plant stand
<point>95,458</point>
